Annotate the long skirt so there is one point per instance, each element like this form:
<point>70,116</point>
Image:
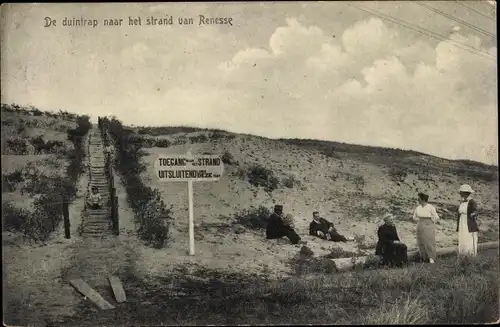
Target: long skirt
<point>426,239</point>
<point>467,241</point>
<point>395,254</point>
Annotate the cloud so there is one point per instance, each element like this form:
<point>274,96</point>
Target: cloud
<point>296,39</point>
<point>371,87</point>
<point>364,82</point>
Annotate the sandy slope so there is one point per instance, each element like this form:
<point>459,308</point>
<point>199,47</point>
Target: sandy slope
<point>34,291</point>
<point>327,184</point>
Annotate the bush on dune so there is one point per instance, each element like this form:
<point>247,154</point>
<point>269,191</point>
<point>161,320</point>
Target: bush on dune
<point>254,217</point>
<point>150,211</point>
<point>262,177</point>
<point>10,181</point>
<point>49,192</point>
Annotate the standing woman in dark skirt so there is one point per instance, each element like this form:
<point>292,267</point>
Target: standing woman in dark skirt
<point>426,216</point>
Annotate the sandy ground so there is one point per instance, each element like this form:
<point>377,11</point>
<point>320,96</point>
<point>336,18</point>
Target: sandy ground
<point>36,278</point>
<point>326,185</point>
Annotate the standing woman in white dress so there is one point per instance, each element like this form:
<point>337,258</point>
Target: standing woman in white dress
<point>467,226</point>
<point>426,216</point>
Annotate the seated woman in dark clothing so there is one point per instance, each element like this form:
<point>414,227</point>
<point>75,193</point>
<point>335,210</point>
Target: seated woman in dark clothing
<point>276,228</point>
<point>324,229</point>
<point>389,247</point>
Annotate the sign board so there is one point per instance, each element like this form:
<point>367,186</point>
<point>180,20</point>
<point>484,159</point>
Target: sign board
<point>189,168</point>
<point>183,168</point>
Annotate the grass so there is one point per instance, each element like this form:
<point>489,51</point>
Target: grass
<point>452,291</point>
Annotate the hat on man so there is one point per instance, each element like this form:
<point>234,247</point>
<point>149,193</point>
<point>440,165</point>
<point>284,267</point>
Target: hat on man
<point>466,188</point>
<point>278,208</point>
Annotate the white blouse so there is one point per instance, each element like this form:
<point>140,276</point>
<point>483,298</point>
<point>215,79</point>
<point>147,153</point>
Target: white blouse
<point>462,209</point>
<point>427,211</point>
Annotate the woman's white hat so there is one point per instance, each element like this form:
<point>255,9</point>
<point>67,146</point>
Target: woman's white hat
<point>466,188</point>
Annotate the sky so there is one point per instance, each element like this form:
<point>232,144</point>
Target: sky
<point>316,70</point>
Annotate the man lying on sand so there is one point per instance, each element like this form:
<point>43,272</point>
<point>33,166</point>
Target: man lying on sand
<point>324,229</point>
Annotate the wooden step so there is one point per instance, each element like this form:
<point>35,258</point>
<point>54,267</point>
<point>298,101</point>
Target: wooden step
<point>103,187</point>
<point>99,214</point>
<point>101,217</point>
<point>96,227</point>
<point>98,235</point>
<point>95,230</point>
<point>89,220</point>
<point>97,224</point>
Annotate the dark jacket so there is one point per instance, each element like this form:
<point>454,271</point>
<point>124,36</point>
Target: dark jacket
<point>322,226</point>
<point>387,234</point>
<point>275,226</point>
<point>471,220</point>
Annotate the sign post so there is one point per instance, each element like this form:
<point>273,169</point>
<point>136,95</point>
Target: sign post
<point>191,218</point>
<point>189,168</point>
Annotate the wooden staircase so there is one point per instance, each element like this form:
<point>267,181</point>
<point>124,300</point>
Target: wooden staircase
<point>97,223</point>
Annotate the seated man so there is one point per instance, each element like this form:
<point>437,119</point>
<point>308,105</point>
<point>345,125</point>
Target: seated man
<point>94,200</point>
<point>389,247</point>
<point>276,227</point>
<point>324,229</point>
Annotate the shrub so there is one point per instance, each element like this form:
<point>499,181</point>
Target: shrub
<point>162,143</point>
<point>154,220</point>
<point>306,252</point>
<point>254,217</point>
<point>227,158</point>
<point>143,131</point>
<point>240,173</point>
<point>36,112</point>
<point>359,182</point>
<point>291,181</point>
<point>397,174</point>
<point>148,142</point>
<point>51,191</point>
<point>198,139</point>
<point>14,219</point>
<point>16,146</point>
<point>261,176</point>
<point>304,263</point>
<point>150,211</point>
<point>337,253</point>
<point>21,129</point>
<point>10,181</point>
<point>219,135</point>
